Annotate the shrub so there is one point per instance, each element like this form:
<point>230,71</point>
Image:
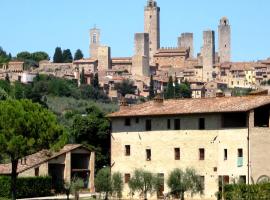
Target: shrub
<point>27,187</point>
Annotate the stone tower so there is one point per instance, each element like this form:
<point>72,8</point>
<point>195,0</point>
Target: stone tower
<point>152,27</point>
<point>94,42</point>
<point>140,60</point>
<point>224,40</point>
<point>186,41</point>
<point>208,54</point>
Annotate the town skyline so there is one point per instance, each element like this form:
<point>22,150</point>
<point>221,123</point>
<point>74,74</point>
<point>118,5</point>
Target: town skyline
<point>74,32</point>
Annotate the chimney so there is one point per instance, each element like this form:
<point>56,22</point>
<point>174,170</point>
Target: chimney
<point>158,100</point>
<point>123,104</point>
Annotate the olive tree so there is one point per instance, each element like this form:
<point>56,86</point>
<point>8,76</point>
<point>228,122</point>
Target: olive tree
<point>180,182</point>
<point>117,184</point>
<point>144,182</point>
<point>26,128</point>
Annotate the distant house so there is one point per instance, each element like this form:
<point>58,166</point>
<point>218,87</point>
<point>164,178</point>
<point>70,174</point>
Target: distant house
<point>72,160</point>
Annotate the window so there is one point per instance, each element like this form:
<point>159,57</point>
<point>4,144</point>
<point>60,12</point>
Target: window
<point>127,178</point>
<point>201,154</point>
<point>240,158</point>
<point>202,124</point>
<point>148,125</point>
<point>94,38</point>
<point>168,124</point>
<point>37,171</point>
<point>242,179</point>
<point>137,120</point>
<point>176,124</point>
<point>177,153</point>
<point>225,154</point>
<point>148,154</point>
<point>127,121</point>
<point>127,150</point>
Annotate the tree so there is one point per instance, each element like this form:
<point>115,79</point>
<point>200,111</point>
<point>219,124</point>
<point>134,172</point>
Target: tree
<point>169,93</point>
<point>82,78</point>
<point>185,90</point>
<point>78,55</point>
<point>117,184</point>
<point>103,182</point>
<point>151,88</point>
<point>67,56</point>
<point>177,89</point>
<point>39,56</point>
<point>125,87</point>
<point>96,81</point>
<point>4,58</point>
<point>58,55</point>
<point>180,182</point>
<point>144,182</point>
<point>75,186</point>
<point>24,55</point>
<point>26,128</point>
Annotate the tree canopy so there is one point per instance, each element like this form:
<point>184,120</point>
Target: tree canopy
<point>26,128</point>
<point>151,88</point>
<point>67,56</point>
<point>58,55</point>
<point>78,55</point>
<point>125,87</point>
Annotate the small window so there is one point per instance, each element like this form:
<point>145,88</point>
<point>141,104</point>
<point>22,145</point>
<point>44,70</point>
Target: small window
<point>127,178</point>
<point>127,121</point>
<point>240,153</point>
<point>176,124</point>
<point>148,154</point>
<point>242,179</point>
<point>201,154</point>
<point>177,153</point>
<point>225,154</point>
<point>137,120</point>
<point>202,124</point>
<point>148,125</point>
<point>37,171</point>
<point>240,158</point>
<point>127,150</point>
<point>168,124</point>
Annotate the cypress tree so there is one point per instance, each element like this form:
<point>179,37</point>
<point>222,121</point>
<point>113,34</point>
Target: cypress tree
<point>96,81</point>
<point>78,55</point>
<point>151,88</point>
<point>58,55</point>
<point>176,88</point>
<point>169,94</point>
<point>82,78</point>
<point>67,56</point>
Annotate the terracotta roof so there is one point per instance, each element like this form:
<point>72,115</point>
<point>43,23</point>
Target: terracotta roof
<point>81,61</point>
<point>37,159</point>
<point>193,106</point>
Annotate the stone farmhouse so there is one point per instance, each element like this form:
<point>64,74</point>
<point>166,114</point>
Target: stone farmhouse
<point>72,160</point>
<point>224,139</point>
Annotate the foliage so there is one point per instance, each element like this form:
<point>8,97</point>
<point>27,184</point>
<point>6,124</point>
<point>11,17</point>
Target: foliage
<point>26,128</point>
<point>240,91</point>
<point>169,94</point>
<point>185,90</point>
<point>180,182</point>
<point>76,185</point>
<point>67,56</point>
<point>24,55</point>
<point>125,87</point>
<point>103,181</point>
<point>151,88</point>
<point>247,192</point>
<point>58,55</point>
<point>144,182</point>
<point>25,189</point>
<point>78,55</point>
<point>93,130</point>
<point>96,81</point>
<point>117,185</point>
<point>82,77</point>
<point>36,56</point>
<point>4,57</point>
<point>177,89</point>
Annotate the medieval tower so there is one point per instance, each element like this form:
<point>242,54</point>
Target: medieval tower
<point>186,41</point>
<point>208,54</point>
<point>152,27</point>
<point>94,42</point>
<point>224,36</point>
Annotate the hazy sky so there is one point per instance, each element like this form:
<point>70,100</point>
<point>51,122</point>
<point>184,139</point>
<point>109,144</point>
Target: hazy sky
<point>35,25</point>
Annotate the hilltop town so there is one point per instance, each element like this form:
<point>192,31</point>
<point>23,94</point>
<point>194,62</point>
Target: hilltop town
<point>209,73</point>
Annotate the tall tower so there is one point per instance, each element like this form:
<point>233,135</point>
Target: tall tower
<point>152,27</point>
<point>94,42</point>
<point>186,41</point>
<point>208,54</point>
<point>224,36</point>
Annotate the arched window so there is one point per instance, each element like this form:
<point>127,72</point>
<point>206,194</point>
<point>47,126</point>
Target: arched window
<point>94,38</point>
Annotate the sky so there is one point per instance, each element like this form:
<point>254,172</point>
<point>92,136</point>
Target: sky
<point>42,25</point>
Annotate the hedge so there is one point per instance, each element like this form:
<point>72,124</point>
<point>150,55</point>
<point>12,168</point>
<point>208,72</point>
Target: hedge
<point>247,192</point>
<point>27,187</point>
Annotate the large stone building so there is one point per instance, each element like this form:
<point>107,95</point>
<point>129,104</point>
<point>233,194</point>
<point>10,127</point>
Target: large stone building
<point>224,139</point>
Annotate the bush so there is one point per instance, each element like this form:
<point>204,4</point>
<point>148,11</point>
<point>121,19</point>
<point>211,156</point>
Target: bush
<point>247,192</point>
<point>27,187</point>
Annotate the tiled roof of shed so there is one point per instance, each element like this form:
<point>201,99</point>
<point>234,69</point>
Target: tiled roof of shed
<point>194,106</point>
<point>37,159</point>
